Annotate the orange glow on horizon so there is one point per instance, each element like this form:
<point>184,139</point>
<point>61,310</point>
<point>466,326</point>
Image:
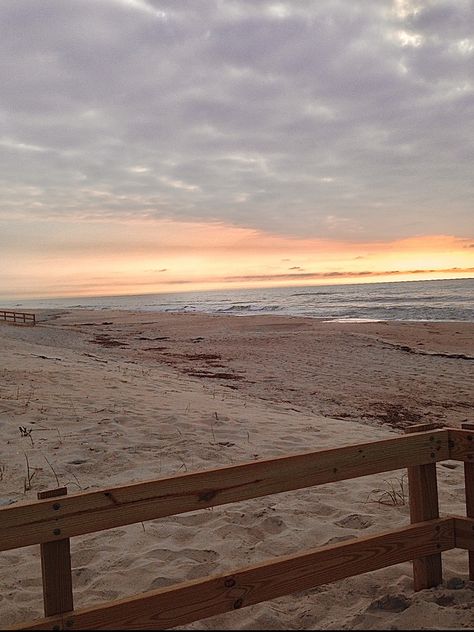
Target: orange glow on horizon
<point>149,256</point>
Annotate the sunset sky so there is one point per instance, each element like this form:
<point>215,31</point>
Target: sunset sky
<point>161,146</point>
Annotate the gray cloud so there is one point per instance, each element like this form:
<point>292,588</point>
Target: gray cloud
<point>316,118</point>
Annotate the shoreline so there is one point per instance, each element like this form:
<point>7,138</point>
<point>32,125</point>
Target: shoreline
<point>224,313</point>
<point>112,397</point>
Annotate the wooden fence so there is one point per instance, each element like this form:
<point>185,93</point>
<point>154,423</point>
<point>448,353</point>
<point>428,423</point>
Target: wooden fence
<point>56,517</point>
<point>18,318</point>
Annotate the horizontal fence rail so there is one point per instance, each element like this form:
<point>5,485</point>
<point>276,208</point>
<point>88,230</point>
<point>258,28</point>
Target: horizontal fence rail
<point>18,318</point>
<point>51,521</point>
<point>177,605</point>
<point>78,514</point>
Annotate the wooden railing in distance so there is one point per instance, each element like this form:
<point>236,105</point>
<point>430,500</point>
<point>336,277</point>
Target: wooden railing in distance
<point>18,318</point>
<point>56,519</point>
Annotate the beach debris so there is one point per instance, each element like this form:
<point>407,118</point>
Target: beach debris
<point>437,354</point>
<point>106,341</point>
<point>26,432</point>
<point>455,583</point>
<point>209,374</point>
<point>90,355</point>
<point>395,415</point>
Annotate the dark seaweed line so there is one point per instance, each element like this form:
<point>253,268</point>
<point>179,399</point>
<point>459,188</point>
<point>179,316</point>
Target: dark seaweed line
<point>439,354</point>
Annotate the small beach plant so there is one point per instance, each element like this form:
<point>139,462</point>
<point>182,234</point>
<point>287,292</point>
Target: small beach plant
<point>393,494</point>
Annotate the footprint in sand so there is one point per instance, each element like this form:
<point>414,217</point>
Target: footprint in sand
<point>83,557</point>
<point>391,603</point>
<point>161,582</point>
<point>273,524</point>
<point>30,582</point>
<point>199,555</point>
<point>355,521</point>
<point>83,576</point>
<point>202,570</point>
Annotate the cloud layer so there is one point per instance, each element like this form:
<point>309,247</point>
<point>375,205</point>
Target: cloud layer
<point>329,119</point>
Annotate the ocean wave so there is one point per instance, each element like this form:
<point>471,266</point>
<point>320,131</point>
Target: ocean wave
<point>314,294</point>
<point>440,300</point>
<point>185,308</point>
<point>250,308</point>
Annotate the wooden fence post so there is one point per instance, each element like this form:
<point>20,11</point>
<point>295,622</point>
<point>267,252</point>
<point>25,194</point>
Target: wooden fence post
<point>56,568</point>
<point>469,487</point>
<point>423,493</point>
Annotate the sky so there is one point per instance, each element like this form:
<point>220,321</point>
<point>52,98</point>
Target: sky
<point>171,145</point>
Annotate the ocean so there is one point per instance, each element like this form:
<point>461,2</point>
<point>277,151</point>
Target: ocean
<point>443,300</point>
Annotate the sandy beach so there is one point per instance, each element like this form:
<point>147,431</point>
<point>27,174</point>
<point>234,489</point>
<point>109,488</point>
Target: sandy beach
<point>93,398</point>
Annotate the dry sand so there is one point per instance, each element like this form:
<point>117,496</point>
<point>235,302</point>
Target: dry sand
<point>106,398</point>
